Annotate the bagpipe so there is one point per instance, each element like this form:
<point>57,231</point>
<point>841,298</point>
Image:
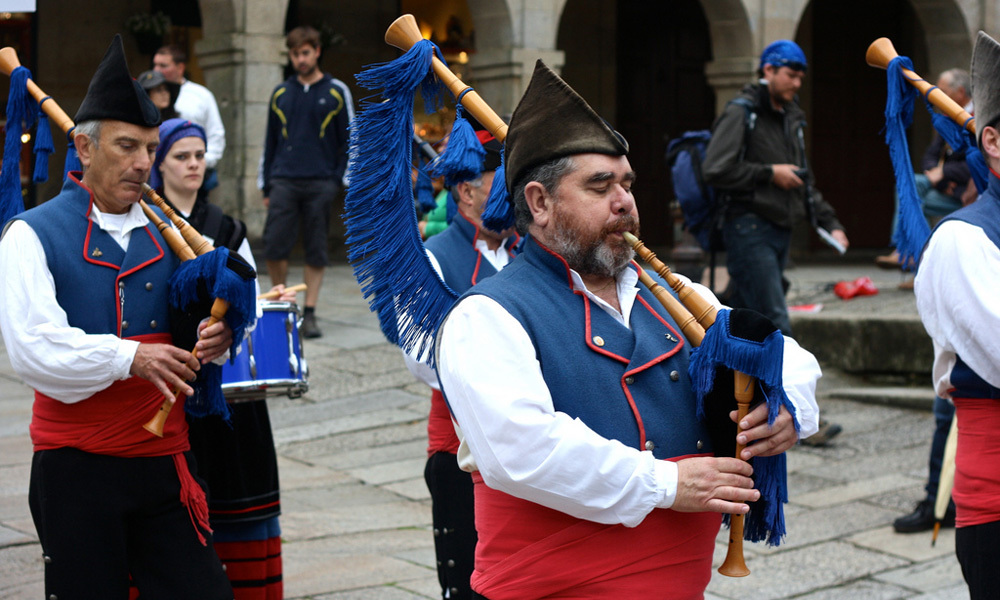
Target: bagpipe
<point>224,275</point>
<point>953,123</point>
<point>411,300</point>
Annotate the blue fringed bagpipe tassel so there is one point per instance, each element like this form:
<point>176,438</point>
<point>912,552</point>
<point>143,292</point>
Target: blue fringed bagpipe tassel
<point>225,276</point>
<point>912,230</point>
<point>498,214</point>
<point>72,159</point>
<point>462,159</point>
<point>43,146</point>
<point>20,114</point>
<point>762,360</point>
<point>425,190</point>
<point>384,246</point>
<point>962,140</point>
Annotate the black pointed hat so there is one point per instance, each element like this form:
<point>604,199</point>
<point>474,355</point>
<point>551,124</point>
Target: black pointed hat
<point>986,82</point>
<point>114,94</point>
<point>552,121</point>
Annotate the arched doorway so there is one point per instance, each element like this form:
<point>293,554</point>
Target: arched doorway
<point>844,100</point>
<point>641,65</point>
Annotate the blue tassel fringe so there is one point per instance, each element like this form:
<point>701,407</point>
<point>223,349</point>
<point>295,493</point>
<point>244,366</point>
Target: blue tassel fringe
<point>384,246</point>
<point>425,191</point>
<point>498,215</point>
<point>212,270</point>
<point>763,361</point>
<point>961,140</point>
<point>43,148</point>
<point>20,114</point>
<point>462,160</point>
<point>912,230</point>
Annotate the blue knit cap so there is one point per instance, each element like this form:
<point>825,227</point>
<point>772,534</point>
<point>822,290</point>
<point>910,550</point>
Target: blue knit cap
<point>784,53</point>
<point>172,130</point>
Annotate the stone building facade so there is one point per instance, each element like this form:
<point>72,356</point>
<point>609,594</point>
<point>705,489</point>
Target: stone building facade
<point>653,68</point>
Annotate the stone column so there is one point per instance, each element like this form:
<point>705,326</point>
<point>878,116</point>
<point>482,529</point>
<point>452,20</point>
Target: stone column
<point>728,76</point>
<point>500,75</point>
<point>242,63</point>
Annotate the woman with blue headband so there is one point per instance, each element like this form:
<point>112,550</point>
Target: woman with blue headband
<point>238,462</point>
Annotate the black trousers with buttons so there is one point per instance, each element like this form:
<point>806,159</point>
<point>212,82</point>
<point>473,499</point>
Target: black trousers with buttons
<point>453,513</point>
<point>101,518</point>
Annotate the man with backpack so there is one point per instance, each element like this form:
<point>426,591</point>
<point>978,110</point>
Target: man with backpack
<point>762,175</point>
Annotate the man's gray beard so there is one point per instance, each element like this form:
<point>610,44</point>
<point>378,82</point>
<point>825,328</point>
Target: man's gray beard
<point>596,258</point>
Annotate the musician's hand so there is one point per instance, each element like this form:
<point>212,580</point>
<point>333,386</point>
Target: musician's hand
<point>770,440</point>
<point>840,236</point>
<point>784,176</point>
<point>719,485</point>
<point>167,367</point>
<point>213,340</point>
<point>282,295</point>
<point>935,174</point>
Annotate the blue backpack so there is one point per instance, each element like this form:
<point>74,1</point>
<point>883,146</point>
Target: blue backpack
<point>701,206</point>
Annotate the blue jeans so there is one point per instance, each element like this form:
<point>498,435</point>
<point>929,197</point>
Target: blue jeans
<point>756,255</point>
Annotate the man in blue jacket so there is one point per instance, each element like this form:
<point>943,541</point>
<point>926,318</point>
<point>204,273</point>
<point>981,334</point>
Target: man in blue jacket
<point>305,159</point>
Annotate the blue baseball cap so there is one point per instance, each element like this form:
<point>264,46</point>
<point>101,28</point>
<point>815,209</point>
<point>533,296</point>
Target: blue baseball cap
<point>784,53</point>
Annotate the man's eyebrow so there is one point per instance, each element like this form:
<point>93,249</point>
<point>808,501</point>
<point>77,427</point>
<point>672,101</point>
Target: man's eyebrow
<point>602,176</point>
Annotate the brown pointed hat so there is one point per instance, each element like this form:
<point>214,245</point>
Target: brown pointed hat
<point>552,121</point>
<point>986,82</point>
<point>114,94</point>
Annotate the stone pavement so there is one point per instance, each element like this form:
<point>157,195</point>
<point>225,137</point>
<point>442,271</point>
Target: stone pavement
<point>356,520</point>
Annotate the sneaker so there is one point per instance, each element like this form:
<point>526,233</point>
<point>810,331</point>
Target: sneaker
<point>827,431</point>
<point>309,327</point>
<point>922,519</point>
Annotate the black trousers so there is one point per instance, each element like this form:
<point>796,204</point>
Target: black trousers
<point>452,509</point>
<point>978,550</point>
<point>102,518</point>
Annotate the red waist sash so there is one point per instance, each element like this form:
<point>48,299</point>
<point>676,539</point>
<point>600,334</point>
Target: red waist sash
<point>110,422</point>
<point>977,477</point>
<point>441,436</point>
<point>527,552</point>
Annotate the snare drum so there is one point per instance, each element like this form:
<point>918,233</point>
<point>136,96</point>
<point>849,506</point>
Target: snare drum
<point>270,361</point>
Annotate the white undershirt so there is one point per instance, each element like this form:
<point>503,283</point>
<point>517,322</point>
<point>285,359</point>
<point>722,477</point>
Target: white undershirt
<point>957,288</point>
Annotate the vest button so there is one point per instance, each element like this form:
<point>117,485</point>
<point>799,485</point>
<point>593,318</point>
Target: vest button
<point>437,532</point>
<point>629,380</point>
<point>700,444</point>
<point>674,376</point>
<point>121,285</point>
<point>149,285</point>
<point>152,324</point>
<point>451,563</point>
<point>598,340</point>
<point>124,325</point>
<point>47,559</point>
<point>650,445</point>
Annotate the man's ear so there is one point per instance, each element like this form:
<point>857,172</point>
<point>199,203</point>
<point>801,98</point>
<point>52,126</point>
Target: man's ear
<point>991,142</point>
<point>539,202</point>
<point>84,149</point>
<point>463,194</point>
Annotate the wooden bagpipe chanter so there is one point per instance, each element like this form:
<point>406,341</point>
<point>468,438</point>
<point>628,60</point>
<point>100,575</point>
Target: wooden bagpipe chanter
<point>377,202</point>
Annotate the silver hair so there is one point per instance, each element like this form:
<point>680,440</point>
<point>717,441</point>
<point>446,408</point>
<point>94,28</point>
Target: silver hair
<point>957,78</point>
<point>91,129</point>
<point>550,175</point>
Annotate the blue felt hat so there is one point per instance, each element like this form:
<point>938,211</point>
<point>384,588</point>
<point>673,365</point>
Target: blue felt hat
<point>172,130</point>
<point>784,53</point>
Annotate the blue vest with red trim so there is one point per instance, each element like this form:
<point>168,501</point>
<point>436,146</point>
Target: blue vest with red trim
<point>630,385</point>
<point>983,213</point>
<point>462,265</point>
<point>102,288</point>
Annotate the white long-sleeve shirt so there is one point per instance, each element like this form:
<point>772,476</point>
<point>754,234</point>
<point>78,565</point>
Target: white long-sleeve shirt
<point>956,289</point>
<point>197,103</point>
<point>59,361</point>
<point>521,445</point>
